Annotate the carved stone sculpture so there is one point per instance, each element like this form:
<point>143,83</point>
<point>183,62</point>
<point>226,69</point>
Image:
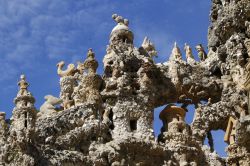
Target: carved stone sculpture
<point>149,47</point>
<point>49,106</point>
<point>67,83</point>
<point>68,72</point>
<point>189,54</point>
<point>88,87</point>
<point>230,131</point>
<point>121,38</point>
<point>176,53</point>
<point>201,52</point>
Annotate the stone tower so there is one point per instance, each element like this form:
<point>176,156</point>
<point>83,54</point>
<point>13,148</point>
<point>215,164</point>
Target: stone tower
<point>24,116</point>
<point>129,75</point>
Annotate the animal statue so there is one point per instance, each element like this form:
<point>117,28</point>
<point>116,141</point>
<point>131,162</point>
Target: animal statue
<point>70,71</point>
<point>49,106</point>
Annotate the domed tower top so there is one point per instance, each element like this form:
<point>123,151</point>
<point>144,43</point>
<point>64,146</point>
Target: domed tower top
<point>121,32</point>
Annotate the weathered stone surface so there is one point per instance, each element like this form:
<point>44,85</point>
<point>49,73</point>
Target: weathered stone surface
<point>108,120</point>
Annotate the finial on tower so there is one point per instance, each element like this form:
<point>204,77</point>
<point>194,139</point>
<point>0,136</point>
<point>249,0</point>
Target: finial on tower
<point>23,86</point>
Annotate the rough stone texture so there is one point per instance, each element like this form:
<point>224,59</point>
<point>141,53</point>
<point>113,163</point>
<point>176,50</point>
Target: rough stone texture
<point>108,120</point>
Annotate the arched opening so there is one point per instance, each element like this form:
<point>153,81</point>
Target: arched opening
<point>157,124</point>
<point>190,114</point>
<point>218,144</point>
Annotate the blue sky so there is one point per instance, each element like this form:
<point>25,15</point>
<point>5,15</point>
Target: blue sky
<point>36,34</point>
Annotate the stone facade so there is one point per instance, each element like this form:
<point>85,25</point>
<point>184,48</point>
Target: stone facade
<point>108,119</point>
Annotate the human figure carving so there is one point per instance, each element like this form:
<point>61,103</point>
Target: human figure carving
<point>189,54</point>
<point>201,52</point>
<point>67,82</point>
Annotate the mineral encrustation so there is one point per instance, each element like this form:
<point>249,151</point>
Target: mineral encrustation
<point>108,119</point>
